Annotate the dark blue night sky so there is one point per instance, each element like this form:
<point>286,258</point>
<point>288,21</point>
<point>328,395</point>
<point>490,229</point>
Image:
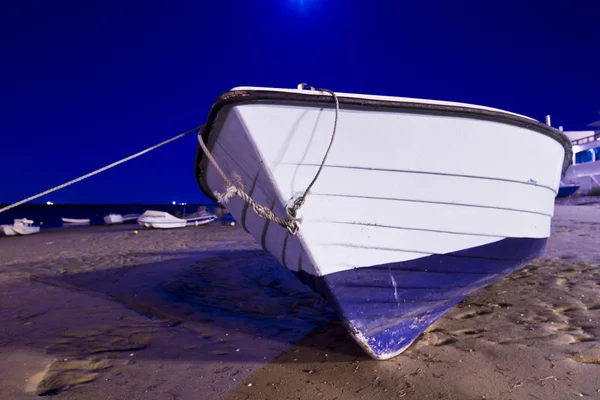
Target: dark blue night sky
<point>84,84</point>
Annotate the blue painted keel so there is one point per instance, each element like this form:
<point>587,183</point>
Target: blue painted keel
<point>386,307</point>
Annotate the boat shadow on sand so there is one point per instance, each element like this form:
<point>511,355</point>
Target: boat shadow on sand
<point>215,303</point>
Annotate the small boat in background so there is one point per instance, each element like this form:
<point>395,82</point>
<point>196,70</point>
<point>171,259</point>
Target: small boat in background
<point>200,217</point>
<point>406,206</point>
<point>202,220</point>
<point>130,218</point>
<point>112,219</point>
<point>21,226</point>
<point>76,221</point>
<point>160,220</point>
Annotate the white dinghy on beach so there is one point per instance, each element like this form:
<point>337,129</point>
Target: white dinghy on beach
<point>160,220</point>
<point>76,221</point>
<point>20,227</point>
<point>394,209</point>
<point>112,219</point>
<point>164,220</point>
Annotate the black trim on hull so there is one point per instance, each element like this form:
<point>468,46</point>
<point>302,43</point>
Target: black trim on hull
<point>239,97</point>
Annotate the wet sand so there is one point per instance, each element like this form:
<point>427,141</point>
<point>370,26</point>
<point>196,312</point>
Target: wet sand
<point>204,313</point>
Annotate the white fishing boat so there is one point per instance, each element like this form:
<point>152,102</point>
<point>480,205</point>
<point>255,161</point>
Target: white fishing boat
<point>76,221</point>
<point>160,220</point>
<point>21,226</point>
<point>112,219</point>
<point>414,204</point>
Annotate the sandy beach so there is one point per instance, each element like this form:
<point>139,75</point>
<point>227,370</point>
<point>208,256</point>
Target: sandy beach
<point>101,312</point>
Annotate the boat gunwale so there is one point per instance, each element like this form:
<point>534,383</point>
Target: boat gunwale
<point>233,98</point>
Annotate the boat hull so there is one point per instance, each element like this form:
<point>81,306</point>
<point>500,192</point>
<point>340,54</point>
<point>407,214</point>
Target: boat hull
<point>201,220</point>
<point>567,190</point>
<point>112,219</point>
<point>397,229</point>
<point>585,176</point>
<point>75,221</point>
<point>7,230</point>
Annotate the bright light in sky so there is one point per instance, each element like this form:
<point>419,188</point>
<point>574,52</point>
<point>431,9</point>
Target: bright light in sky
<point>49,203</point>
<point>302,5</point>
<point>173,203</point>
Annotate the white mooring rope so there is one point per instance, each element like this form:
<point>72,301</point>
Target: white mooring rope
<point>99,170</point>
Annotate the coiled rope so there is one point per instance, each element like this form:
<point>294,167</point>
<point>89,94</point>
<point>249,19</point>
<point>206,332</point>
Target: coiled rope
<point>234,185</point>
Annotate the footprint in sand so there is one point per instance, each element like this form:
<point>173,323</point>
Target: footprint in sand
<point>471,314</point>
<point>436,337</point>
<point>440,337</point>
<point>561,281</point>
<point>555,338</point>
<point>554,333</point>
<point>62,375</point>
<point>569,308</point>
<point>462,333</point>
<point>591,356</point>
<point>102,340</point>
<point>87,346</point>
<point>564,328</point>
<point>576,307</point>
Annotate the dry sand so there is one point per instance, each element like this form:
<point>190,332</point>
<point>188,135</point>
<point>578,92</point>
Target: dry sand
<point>204,313</point>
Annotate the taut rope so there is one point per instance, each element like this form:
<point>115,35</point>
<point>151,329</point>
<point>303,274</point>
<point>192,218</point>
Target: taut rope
<point>99,170</point>
<point>291,221</point>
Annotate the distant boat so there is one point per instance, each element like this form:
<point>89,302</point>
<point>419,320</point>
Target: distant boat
<point>200,217</point>
<point>160,220</point>
<point>567,190</point>
<point>76,221</point>
<point>420,203</point>
<point>130,217</point>
<point>112,219</point>
<point>202,220</point>
<point>22,226</point>
<point>120,219</point>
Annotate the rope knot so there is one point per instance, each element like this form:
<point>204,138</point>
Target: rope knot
<point>230,191</point>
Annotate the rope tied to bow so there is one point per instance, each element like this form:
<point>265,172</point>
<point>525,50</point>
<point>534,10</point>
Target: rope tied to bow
<point>234,186</point>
